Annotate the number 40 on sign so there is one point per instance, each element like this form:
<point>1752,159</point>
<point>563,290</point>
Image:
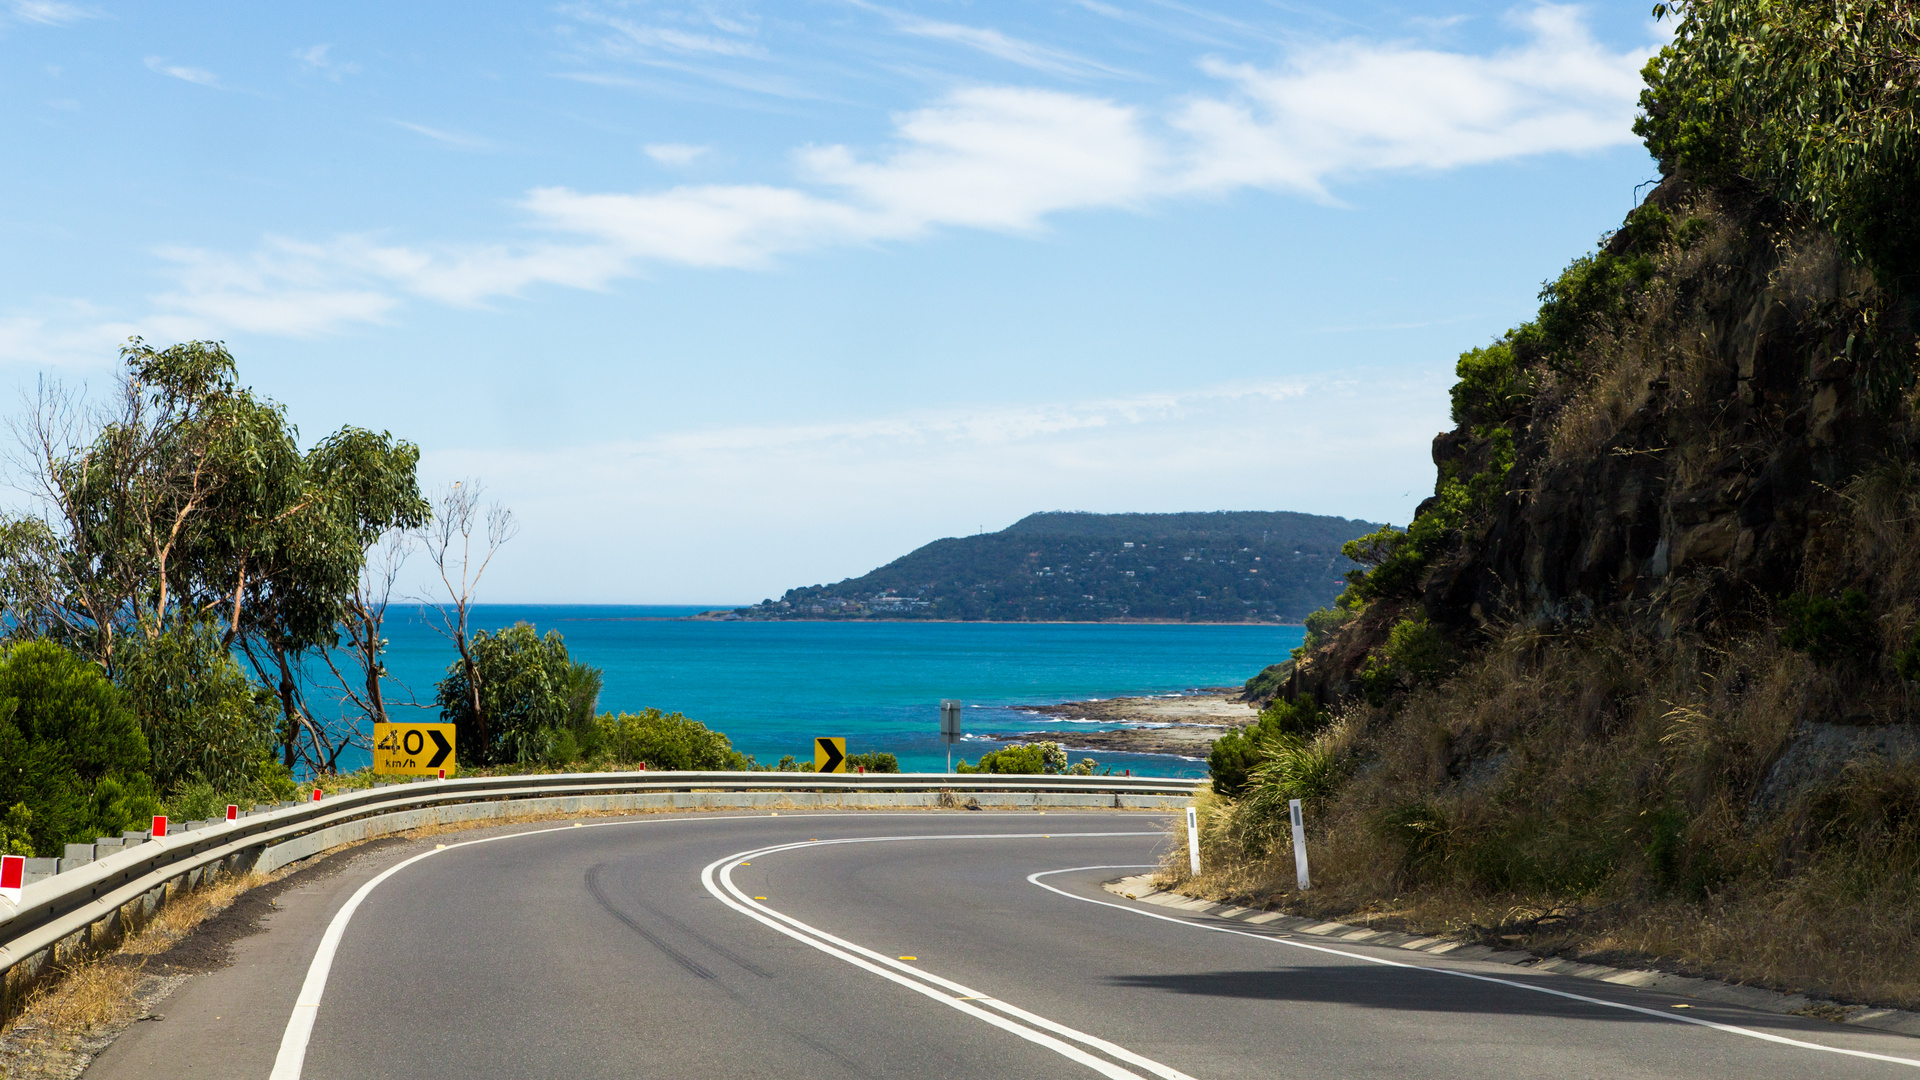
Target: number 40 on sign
<point>413,749</point>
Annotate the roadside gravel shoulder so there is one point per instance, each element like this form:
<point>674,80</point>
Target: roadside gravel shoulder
<point>1140,887</point>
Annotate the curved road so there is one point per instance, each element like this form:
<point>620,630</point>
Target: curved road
<point>913,945</point>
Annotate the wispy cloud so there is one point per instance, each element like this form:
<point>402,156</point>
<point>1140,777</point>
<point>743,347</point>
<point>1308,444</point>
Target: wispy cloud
<point>318,60</point>
<point>1006,159</point>
<point>702,34</point>
<point>675,153</point>
<point>197,76</point>
<point>449,138</point>
<point>48,12</point>
<point>992,42</point>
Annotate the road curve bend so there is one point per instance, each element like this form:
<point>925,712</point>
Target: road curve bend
<point>912,945</point>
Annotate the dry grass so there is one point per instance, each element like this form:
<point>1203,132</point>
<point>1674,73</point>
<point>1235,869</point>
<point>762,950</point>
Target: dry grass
<point>97,993</point>
<point>1594,795</point>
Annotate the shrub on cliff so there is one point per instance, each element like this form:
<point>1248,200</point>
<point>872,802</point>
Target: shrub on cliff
<point>1034,758</point>
<point>667,741</point>
<point>1829,629</point>
<point>72,758</point>
<point>1811,101</point>
<point>538,703</point>
<point>1492,385</point>
<point>204,720</point>
<point>1235,755</point>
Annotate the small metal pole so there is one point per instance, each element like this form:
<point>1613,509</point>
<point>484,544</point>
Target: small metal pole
<point>950,727</point>
<point>1299,847</point>
<point>1193,841</point>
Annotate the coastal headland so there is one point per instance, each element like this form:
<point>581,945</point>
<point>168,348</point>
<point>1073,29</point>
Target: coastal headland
<point>1184,724</point>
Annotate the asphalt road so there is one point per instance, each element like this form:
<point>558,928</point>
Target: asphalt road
<point>741,947</point>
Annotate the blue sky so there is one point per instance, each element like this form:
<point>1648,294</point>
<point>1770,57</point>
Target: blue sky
<point>725,298</point>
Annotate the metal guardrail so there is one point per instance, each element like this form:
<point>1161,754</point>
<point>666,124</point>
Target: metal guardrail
<point>68,904</point>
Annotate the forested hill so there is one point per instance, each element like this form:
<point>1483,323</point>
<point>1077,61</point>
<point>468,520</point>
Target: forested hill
<point>1057,567</point>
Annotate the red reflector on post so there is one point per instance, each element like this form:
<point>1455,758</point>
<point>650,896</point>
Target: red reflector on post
<point>159,826</point>
<point>13,876</point>
<point>443,774</point>
<point>316,794</point>
<point>233,812</point>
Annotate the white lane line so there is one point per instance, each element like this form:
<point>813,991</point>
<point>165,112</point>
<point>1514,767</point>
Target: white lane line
<point>718,879</point>
<point>1731,1029</point>
<point>293,1043</point>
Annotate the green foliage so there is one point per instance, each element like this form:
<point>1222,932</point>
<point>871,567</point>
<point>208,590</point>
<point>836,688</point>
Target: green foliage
<point>1236,755</point>
<point>1811,101</point>
<point>1024,760</point>
<point>1414,654</point>
<point>115,805</point>
<point>878,762</point>
<point>1829,630</point>
<point>1394,562</point>
<point>1491,387</point>
<point>16,830</point>
<point>1594,292</point>
<point>203,719</point>
<point>1270,679</point>
<point>669,741</point>
<point>1906,662</point>
<point>71,751</point>
<point>531,691</point>
<point>1321,625</point>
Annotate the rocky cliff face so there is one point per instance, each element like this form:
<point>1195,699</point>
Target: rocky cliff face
<point>1701,451</point>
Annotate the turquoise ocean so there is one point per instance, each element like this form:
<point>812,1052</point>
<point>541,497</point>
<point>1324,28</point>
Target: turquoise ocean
<point>773,686</point>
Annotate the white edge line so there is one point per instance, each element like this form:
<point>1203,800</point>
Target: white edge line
<point>1731,1029</point>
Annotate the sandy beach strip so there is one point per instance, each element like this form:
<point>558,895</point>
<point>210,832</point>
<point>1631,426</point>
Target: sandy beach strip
<point>1183,725</point>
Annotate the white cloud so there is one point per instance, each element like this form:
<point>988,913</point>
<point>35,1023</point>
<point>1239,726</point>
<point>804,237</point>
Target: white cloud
<point>76,338</point>
<point>449,138</point>
<point>317,59</point>
<point>47,12</point>
<point>675,153</point>
<point>883,481</point>
<point>1355,106</point>
<point>997,158</point>
<point>284,288</point>
<point>197,76</point>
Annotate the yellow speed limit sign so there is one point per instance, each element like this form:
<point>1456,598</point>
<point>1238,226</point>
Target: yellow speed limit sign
<point>413,749</point>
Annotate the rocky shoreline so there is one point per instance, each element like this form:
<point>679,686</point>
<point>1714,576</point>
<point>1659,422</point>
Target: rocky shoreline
<point>1183,726</point>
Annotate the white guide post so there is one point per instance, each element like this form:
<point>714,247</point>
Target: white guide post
<point>1299,846</point>
<point>1193,841</point>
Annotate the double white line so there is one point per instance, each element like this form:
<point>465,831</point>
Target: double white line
<point>1057,1037</point>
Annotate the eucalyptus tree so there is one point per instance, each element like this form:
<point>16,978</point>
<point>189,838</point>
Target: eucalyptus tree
<point>190,500</point>
<point>295,573</point>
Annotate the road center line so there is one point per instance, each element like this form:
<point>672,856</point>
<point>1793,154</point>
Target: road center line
<point>1731,1029</point>
<point>717,877</point>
